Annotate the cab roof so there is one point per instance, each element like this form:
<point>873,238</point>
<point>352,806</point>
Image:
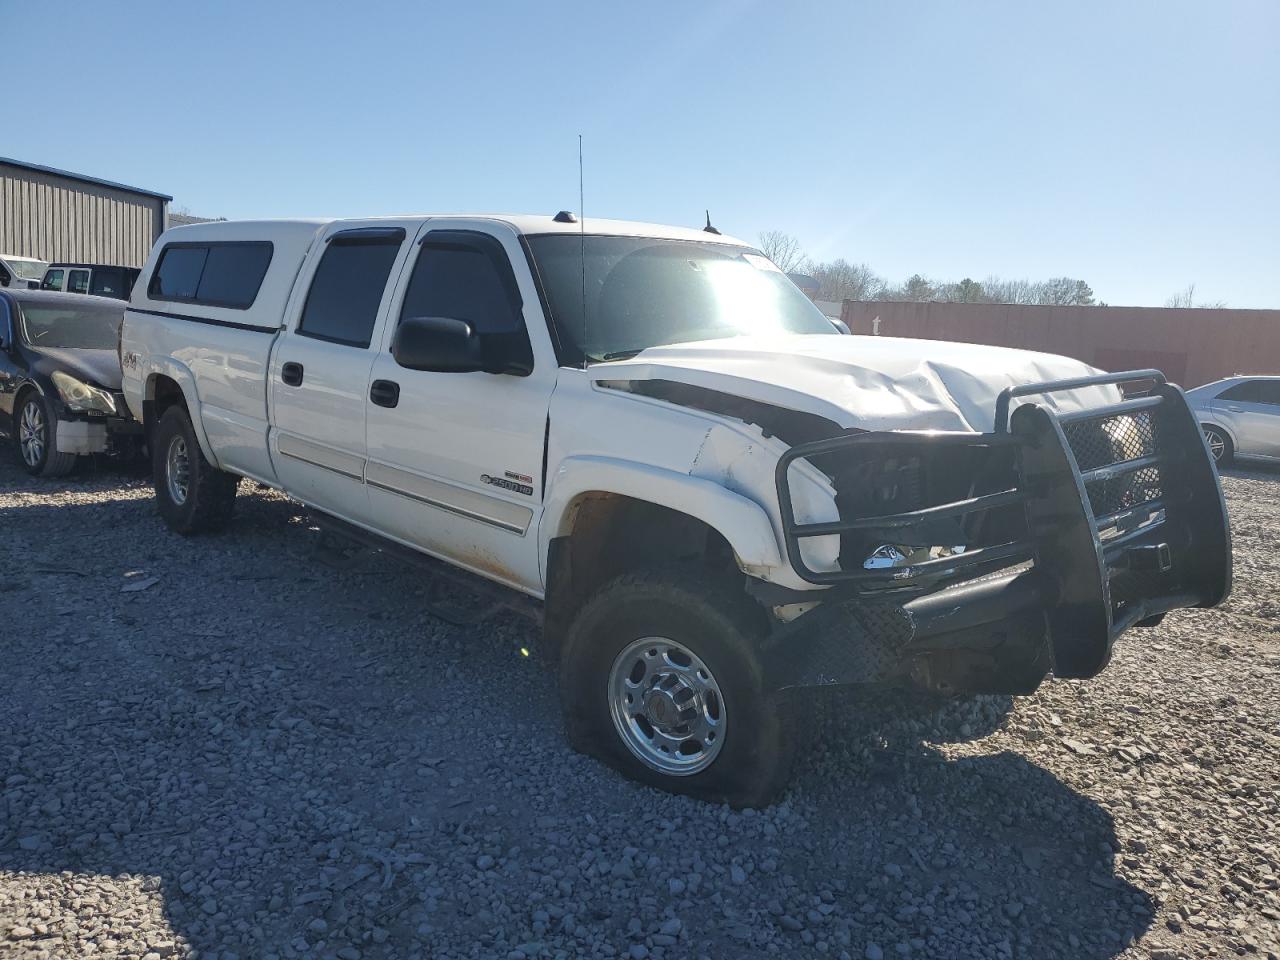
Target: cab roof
<point>529,224</point>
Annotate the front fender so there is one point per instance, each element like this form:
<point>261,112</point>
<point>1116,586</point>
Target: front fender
<point>180,374</point>
<point>742,522</point>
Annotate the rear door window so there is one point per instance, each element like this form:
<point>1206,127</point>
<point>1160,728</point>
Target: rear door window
<point>1269,392</point>
<point>108,282</point>
<point>342,304</point>
<point>1247,392</point>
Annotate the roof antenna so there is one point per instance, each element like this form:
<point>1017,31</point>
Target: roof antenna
<point>582,250</point>
<point>709,228</point>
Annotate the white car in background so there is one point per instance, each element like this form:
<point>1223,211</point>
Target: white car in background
<point>16,271</point>
<point>1240,417</point>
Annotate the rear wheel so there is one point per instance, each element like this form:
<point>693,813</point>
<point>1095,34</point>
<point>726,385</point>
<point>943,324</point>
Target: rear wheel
<point>661,678</point>
<point>1219,444</point>
<point>193,495</point>
<point>36,437</point>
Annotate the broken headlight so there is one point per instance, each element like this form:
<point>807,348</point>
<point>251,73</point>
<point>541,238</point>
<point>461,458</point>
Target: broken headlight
<point>889,555</point>
<point>79,395</point>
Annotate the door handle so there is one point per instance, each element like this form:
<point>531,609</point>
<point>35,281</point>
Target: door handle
<point>291,374</point>
<point>385,393</point>
<point>1236,409</point>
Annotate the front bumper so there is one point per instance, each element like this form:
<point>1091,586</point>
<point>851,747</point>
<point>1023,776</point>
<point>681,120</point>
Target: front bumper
<point>84,433</point>
<point>1123,520</point>
<point>82,436</point>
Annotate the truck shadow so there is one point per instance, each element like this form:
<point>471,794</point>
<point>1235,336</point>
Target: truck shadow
<point>996,834</point>
<point>287,760</point>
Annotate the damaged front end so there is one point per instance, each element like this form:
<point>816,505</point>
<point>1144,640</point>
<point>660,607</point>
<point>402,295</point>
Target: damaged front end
<point>981,562</point>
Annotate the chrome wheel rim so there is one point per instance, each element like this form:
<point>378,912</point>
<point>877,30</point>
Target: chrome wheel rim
<point>1217,446</point>
<point>666,706</point>
<point>31,433</point>
<point>177,471</point>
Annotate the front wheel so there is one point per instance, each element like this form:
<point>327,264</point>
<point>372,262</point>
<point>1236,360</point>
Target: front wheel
<point>193,495</point>
<point>1219,445</point>
<point>661,678</point>
<point>37,438</point>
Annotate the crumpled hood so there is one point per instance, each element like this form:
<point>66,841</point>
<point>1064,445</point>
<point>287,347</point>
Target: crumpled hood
<point>872,383</point>
<point>97,367</point>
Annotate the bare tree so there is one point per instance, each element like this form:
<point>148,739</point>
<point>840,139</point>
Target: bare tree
<point>842,280</point>
<point>1009,291</point>
<point>917,288</point>
<point>967,290</point>
<point>783,249</point>
<point>1187,298</point>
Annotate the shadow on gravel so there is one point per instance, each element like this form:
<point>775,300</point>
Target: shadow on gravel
<point>1253,470</point>
<point>307,766</point>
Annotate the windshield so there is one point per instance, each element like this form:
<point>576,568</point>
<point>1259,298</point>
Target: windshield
<point>26,269</point>
<point>85,327</point>
<point>644,292</point>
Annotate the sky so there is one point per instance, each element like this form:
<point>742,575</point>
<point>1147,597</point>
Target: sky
<point>1135,145</point>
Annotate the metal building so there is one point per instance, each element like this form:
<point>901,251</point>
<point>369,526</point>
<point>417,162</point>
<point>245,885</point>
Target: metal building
<point>59,216</point>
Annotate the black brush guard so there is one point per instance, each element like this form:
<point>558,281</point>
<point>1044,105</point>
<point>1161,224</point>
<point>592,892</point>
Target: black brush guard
<point>1125,521</point>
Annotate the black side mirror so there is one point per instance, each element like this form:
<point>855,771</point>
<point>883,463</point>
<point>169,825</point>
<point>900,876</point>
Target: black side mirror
<point>440,344</point>
<point>33,284</point>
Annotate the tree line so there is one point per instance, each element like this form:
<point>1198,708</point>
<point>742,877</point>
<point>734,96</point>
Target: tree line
<point>841,280</point>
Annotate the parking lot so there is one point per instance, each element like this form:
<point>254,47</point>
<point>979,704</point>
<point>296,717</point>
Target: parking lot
<point>251,745</point>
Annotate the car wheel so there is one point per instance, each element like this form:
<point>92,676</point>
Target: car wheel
<point>1219,445</point>
<point>193,495</point>
<point>661,678</point>
<point>36,437</point>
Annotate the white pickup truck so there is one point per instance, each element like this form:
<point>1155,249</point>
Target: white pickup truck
<point>715,500</point>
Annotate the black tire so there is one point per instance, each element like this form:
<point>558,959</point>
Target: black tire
<point>1214,437</point>
<point>718,623</point>
<point>47,462</point>
<point>210,493</point>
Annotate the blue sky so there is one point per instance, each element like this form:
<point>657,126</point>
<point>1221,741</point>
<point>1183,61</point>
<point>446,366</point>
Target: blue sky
<point>1134,145</point>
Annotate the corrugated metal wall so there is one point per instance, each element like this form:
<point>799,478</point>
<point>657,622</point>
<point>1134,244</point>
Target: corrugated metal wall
<point>57,218</point>
<point>1192,346</point>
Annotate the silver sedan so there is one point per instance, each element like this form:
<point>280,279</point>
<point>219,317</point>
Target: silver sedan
<point>1240,417</point>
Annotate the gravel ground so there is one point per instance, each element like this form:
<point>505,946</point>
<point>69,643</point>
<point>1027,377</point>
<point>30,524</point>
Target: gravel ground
<point>243,747</point>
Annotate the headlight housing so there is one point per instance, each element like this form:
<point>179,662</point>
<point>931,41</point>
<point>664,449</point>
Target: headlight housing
<point>79,395</point>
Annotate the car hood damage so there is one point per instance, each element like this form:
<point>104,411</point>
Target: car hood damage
<point>100,368</point>
<point>858,382</point>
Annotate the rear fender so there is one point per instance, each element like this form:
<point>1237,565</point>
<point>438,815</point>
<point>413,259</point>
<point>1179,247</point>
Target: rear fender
<point>180,374</point>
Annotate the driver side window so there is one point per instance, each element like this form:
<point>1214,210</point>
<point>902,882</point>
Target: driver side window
<point>466,276</point>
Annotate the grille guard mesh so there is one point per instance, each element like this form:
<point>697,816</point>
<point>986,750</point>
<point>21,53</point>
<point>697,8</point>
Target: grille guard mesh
<point>1105,491</point>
